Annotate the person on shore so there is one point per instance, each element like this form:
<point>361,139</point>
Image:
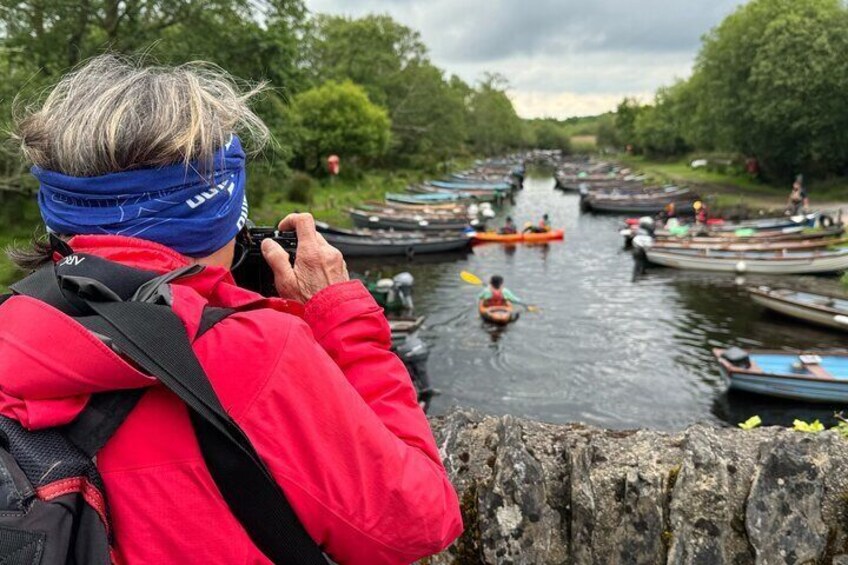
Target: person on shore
<point>799,200</point>
<point>496,294</point>
<point>143,167</point>
<point>701,213</point>
<point>509,227</point>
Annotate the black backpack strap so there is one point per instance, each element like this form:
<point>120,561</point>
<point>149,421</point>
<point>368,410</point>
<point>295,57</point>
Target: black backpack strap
<point>101,418</point>
<point>153,337</point>
<point>106,411</point>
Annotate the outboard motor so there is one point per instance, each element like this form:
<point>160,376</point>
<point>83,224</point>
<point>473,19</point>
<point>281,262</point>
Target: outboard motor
<point>414,353</point>
<point>402,285</point>
<point>642,241</point>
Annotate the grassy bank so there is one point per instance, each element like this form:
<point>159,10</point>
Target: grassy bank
<point>329,198</point>
<point>733,190</point>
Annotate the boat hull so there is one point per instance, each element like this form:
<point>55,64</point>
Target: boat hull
<point>498,315</point>
<point>489,237</point>
<point>374,221</point>
<point>741,263</point>
<point>364,247</point>
<point>809,313</point>
<point>829,389</point>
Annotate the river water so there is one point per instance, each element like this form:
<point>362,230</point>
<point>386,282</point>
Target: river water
<point>605,349</point>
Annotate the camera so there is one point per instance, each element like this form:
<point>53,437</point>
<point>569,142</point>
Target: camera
<point>250,269</point>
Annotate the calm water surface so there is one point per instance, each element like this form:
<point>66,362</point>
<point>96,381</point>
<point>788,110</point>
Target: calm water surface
<point>606,350</point>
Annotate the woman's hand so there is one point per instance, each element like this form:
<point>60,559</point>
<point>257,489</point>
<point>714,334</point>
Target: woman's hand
<point>317,263</point>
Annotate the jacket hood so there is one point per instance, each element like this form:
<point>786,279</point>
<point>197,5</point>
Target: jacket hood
<point>50,364</point>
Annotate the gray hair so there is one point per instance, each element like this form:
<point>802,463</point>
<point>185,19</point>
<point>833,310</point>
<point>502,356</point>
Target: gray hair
<point>115,114</point>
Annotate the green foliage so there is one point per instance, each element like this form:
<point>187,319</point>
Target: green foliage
<point>813,427</point>
<point>428,111</point>
<point>751,423</point>
<point>338,118</point>
<point>770,81</point>
<point>549,134</point>
<point>660,129</point>
<point>300,188</point>
<point>626,114</point>
<point>494,127</point>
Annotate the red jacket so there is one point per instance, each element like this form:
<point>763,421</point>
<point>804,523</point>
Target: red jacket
<point>328,407</point>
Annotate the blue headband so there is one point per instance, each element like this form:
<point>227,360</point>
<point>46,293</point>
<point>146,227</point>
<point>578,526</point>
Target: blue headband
<point>176,205</point>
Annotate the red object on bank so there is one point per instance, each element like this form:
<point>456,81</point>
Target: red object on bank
<point>333,164</point>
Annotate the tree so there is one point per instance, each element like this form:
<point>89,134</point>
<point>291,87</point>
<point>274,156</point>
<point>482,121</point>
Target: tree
<point>338,118</point>
<point>660,129</point>
<point>390,61</point>
<point>771,80</point>
<point>549,134</point>
<point>42,39</point>
<point>625,120</point>
<point>494,126</point>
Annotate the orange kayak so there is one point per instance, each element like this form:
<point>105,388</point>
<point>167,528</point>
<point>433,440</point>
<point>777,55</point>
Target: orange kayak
<point>501,315</point>
<point>491,236</point>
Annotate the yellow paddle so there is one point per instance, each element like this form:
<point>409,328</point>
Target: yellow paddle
<point>471,278</point>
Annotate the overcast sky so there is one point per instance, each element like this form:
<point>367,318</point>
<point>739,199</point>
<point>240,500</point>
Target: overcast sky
<point>562,57</point>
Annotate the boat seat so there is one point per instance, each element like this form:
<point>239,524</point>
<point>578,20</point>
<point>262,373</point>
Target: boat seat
<point>737,357</point>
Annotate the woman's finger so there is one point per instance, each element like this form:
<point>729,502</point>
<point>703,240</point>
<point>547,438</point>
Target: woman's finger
<point>304,226</point>
<point>277,258</point>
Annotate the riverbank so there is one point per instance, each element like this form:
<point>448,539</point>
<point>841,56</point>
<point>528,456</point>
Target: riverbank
<point>328,198</point>
<point>728,190</point>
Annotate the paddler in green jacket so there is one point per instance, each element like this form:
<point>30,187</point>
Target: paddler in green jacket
<point>496,294</point>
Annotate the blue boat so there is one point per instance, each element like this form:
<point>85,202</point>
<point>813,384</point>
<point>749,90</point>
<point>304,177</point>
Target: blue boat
<point>476,185</point>
<point>428,198</point>
<point>811,377</point>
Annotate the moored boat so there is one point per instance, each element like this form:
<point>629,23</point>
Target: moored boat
<point>497,187</point>
<point>811,377</point>
<point>744,245</point>
<point>424,199</point>
<point>761,262</point>
<point>820,309</point>
<point>352,246</point>
<point>385,220</point>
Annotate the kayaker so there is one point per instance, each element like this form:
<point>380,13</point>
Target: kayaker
<point>544,226</point>
<point>508,227</point>
<point>799,200</point>
<point>496,294</point>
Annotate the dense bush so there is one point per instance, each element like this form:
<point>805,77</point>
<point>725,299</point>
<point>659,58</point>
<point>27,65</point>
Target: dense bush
<point>300,188</point>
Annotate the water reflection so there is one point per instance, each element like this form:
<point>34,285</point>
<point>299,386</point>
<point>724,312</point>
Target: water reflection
<point>605,349</point>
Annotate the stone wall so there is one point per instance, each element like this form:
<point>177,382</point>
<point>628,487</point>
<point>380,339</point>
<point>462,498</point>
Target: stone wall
<point>542,493</point>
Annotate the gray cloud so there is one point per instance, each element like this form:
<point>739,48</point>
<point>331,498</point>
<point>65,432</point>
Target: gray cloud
<point>583,48</point>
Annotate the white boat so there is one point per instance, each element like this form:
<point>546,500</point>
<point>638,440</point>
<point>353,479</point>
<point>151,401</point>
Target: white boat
<point>760,262</point>
<point>821,309</point>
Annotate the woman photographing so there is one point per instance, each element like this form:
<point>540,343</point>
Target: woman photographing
<point>145,167</point>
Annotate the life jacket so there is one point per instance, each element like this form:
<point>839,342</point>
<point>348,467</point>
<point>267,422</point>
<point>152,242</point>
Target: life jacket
<point>497,299</point>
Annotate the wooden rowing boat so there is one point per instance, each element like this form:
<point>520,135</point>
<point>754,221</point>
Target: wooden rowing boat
<point>819,309</point>
<point>745,245</point>
<point>811,377</point>
<point>761,262</point>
